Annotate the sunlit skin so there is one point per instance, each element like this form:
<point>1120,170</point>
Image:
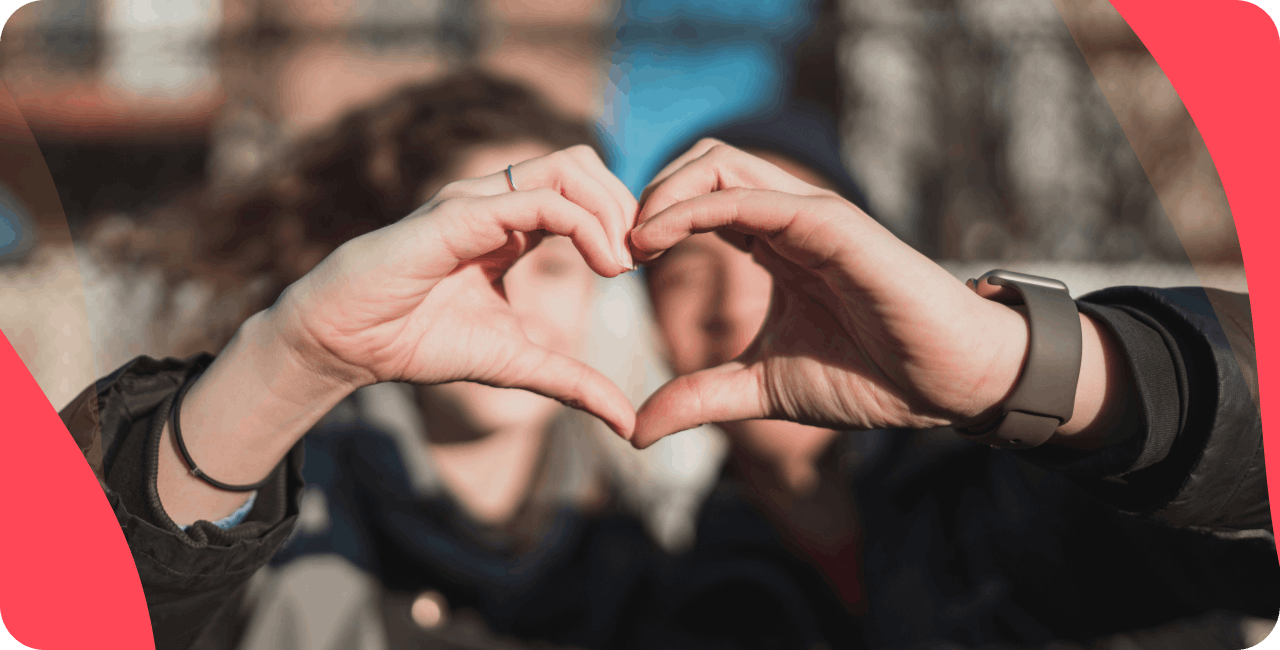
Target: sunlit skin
<point>549,290</point>
<point>829,320</point>
<point>862,331</point>
<point>485,441</point>
<point>710,299</point>
<point>421,301</point>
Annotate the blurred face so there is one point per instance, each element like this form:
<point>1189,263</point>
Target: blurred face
<point>550,291</point>
<point>710,299</point>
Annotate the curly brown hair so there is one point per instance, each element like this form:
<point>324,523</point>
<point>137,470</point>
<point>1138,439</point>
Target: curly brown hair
<point>365,172</point>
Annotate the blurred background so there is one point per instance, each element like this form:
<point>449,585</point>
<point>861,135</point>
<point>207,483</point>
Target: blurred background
<point>1033,135</point>
<point>1020,132</point>
<point>979,129</point>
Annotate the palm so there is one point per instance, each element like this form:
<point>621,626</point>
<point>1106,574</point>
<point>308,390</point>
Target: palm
<point>864,357</point>
<point>463,330</point>
<point>422,301</point>
<point>400,326</point>
<point>862,331</point>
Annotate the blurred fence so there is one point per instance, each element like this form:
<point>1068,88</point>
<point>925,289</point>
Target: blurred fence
<point>134,100</point>
<point>1036,135</point>
<point>979,132</point>
<point>979,129</point>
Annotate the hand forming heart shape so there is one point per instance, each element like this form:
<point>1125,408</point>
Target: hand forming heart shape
<point>422,301</point>
<point>861,332</point>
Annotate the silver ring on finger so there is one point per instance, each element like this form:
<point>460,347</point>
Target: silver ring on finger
<point>511,181</point>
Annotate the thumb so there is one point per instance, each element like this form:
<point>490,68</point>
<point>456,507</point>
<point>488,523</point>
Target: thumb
<point>572,383</point>
<point>725,393</point>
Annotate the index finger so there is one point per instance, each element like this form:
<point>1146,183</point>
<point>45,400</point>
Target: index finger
<point>574,175</point>
<point>696,151</point>
<point>717,167</point>
<point>808,230</point>
<point>595,167</point>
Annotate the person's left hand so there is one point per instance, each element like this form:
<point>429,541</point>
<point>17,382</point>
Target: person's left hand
<point>422,300</point>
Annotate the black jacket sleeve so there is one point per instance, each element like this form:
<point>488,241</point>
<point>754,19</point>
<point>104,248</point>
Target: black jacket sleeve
<point>1194,458</point>
<point>189,576</point>
<point>972,547</point>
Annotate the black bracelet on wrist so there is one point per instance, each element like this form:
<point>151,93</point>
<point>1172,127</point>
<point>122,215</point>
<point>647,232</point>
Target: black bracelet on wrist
<point>182,447</point>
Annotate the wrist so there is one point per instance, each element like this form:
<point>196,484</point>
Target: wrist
<point>296,363</point>
<point>1005,340</point>
<point>1103,394</point>
<point>283,329</point>
<point>239,419</point>
<point>257,399</point>
<point>1102,390</point>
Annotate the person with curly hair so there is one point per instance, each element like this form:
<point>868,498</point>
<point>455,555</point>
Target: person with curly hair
<point>441,507</point>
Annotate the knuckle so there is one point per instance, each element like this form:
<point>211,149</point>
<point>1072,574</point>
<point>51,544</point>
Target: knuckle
<point>710,143</point>
<point>462,210</point>
<point>562,160</point>
<point>452,204</point>
<point>425,208</point>
<point>544,196</point>
<point>350,252</point>
<point>582,151</point>
<point>341,256</point>
<point>722,150</point>
<point>825,193</point>
<point>451,190</point>
<point>833,202</point>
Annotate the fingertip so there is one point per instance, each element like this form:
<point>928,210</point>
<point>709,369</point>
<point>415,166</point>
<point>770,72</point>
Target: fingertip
<point>622,423</point>
<point>613,270</point>
<point>651,422</point>
<point>639,254</point>
<point>631,253</point>
<point>642,440</point>
<point>620,267</point>
<point>644,195</point>
<point>643,259</point>
<point>639,229</point>
<point>625,429</point>
<point>624,257</point>
<point>604,400</point>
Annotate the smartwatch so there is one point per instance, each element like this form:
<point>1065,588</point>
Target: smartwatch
<point>1045,394</point>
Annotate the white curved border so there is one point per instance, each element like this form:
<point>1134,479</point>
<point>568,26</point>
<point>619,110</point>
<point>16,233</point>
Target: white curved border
<point>7,7</point>
<point>7,642</point>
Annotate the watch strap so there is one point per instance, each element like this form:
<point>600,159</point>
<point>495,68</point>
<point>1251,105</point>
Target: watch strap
<point>1044,397</point>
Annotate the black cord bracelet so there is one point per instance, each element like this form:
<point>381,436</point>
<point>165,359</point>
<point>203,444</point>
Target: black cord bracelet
<point>186,456</point>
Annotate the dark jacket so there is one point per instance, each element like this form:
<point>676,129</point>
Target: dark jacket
<point>584,578</point>
<point>976,547</point>
<point>593,582</point>
<point>965,546</point>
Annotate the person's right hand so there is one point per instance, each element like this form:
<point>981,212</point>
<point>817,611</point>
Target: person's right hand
<point>421,301</point>
<point>861,332</point>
